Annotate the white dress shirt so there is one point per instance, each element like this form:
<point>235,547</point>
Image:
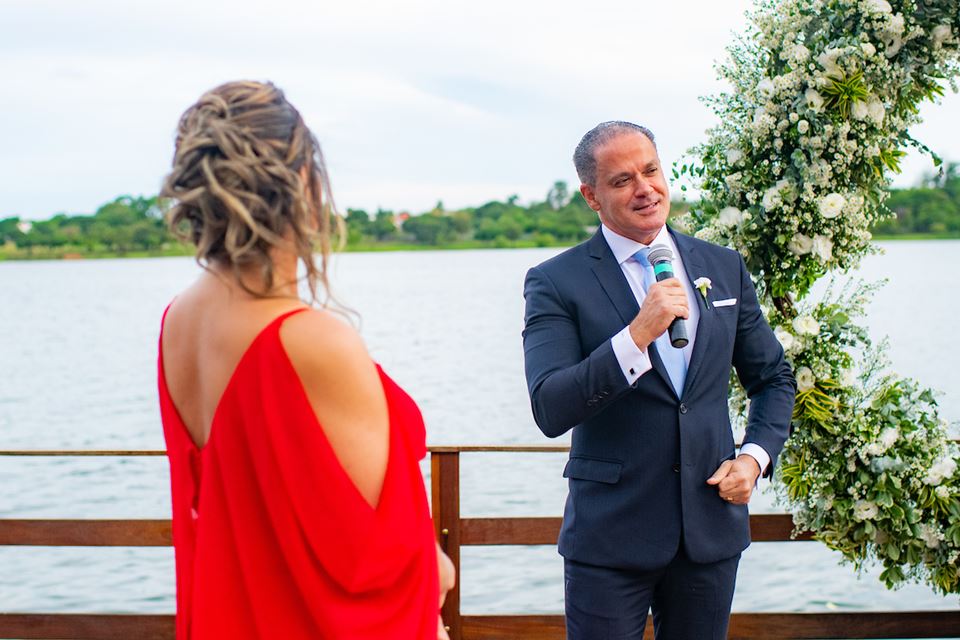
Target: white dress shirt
<point>634,361</point>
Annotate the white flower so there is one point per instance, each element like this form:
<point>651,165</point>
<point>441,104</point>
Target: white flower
<point>800,244</point>
<point>832,205</point>
<point>943,492</point>
<point>878,6</point>
<point>859,110</point>
<point>941,470</point>
<point>828,60</point>
<point>803,126</point>
<point>868,49</point>
<point>771,198</point>
<point>730,216</point>
<point>785,338</point>
<point>892,45</point>
<point>823,247</point>
<point>940,34</point>
<point>814,100</point>
<point>887,438</point>
<point>875,110</point>
<point>805,379</point>
<point>704,284</point>
<point>734,155</point>
<point>865,510</point>
<point>806,325</point>
<point>848,377</point>
<point>765,87</point>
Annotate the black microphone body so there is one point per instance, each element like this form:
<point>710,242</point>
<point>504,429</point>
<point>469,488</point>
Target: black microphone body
<point>661,259</point>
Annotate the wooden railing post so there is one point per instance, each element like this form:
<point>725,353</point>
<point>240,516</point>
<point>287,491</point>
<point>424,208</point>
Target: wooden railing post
<point>445,488</point>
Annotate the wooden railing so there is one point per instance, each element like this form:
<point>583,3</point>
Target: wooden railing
<point>453,532</point>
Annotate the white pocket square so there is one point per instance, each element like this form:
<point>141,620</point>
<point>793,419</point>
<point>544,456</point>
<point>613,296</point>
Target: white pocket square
<point>729,302</point>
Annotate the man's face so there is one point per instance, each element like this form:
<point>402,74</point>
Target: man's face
<point>631,193</point>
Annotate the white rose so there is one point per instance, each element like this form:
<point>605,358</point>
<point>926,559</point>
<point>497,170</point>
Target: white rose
<point>803,126</point>
<point>865,510</point>
<point>941,470</point>
<point>892,45</point>
<point>765,87</point>
<point>848,378</point>
<point>876,111</point>
<point>806,325</point>
<point>814,100</point>
<point>730,216</point>
<point>878,6</point>
<point>823,247</point>
<point>859,110</point>
<point>828,60</point>
<point>940,34</point>
<point>784,337</point>
<point>868,49</point>
<point>772,198</point>
<point>800,244</point>
<point>805,379</point>
<point>832,205</point>
<point>734,155</point>
<point>929,535</point>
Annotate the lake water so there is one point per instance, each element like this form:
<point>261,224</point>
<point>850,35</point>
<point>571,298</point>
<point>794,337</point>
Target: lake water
<point>78,366</point>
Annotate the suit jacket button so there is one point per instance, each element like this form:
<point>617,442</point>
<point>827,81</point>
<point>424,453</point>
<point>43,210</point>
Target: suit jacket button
<point>683,408</point>
<point>676,468</point>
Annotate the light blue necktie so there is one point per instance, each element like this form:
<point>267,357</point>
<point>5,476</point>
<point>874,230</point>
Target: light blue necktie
<point>672,357</point>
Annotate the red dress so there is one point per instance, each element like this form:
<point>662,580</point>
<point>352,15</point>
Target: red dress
<point>273,539</point>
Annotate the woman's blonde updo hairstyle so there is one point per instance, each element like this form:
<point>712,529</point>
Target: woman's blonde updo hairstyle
<point>248,177</point>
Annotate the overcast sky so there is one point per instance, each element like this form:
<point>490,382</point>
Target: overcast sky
<point>413,101</point>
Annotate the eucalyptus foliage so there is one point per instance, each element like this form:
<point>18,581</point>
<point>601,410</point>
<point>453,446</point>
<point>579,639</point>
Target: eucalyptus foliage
<point>823,95</point>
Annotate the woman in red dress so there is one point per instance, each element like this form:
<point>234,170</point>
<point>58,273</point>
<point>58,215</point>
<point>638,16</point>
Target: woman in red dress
<point>299,510</point>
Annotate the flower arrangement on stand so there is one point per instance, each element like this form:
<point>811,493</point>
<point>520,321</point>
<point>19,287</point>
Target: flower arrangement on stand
<point>824,92</point>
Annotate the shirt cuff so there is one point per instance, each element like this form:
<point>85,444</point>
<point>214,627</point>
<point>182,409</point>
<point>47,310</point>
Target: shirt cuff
<point>757,452</point>
<point>633,362</point>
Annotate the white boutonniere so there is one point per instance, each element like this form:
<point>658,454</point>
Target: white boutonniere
<point>703,284</point>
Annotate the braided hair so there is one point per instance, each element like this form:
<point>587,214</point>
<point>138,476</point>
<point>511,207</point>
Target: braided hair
<point>248,176</point>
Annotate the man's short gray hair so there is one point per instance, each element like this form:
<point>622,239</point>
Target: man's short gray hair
<point>584,156</point>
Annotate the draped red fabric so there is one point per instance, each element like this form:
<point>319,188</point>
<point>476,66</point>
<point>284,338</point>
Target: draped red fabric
<point>272,538</point>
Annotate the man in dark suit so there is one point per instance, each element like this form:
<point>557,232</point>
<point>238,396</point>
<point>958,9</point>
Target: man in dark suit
<point>656,515</point>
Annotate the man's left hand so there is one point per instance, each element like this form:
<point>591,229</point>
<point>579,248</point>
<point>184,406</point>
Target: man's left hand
<point>735,479</point>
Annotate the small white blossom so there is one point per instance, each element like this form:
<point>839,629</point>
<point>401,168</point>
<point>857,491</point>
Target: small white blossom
<point>734,155</point>
<point>806,325</point>
<point>800,244</point>
<point>943,492</point>
<point>832,205</point>
<point>888,437</point>
<point>785,338</point>
<point>805,379</point>
<point>865,510</point>
<point>823,247</point>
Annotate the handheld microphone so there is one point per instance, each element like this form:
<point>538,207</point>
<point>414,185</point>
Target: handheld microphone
<point>661,258</point>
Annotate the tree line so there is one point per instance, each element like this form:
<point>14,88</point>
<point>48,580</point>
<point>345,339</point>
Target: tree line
<point>135,224</point>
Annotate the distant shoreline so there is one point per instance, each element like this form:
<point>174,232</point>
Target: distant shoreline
<point>73,253</point>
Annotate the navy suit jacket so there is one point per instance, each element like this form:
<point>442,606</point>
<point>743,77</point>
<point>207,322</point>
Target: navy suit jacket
<point>640,455</point>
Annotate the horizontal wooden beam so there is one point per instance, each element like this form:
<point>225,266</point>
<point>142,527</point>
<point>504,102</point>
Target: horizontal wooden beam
<point>86,626</point>
<point>747,626</point>
<point>767,527</point>
<point>86,533</point>
<point>743,626</point>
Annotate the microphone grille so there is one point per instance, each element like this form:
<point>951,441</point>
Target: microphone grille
<point>660,253</point>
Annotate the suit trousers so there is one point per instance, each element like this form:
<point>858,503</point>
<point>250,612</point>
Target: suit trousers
<point>690,601</point>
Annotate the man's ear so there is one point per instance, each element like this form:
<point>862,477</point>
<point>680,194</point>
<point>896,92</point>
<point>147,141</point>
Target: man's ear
<point>587,192</point>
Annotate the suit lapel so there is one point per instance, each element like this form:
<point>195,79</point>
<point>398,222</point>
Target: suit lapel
<point>695,268</point>
<point>610,276</point>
